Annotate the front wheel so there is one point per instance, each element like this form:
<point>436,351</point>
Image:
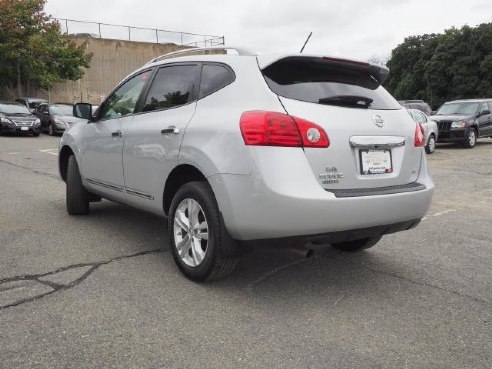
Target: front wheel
<point>356,245</point>
<point>77,197</point>
<point>51,130</point>
<point>471,138</point>
<point>431,144</point>
<point>197,234</point>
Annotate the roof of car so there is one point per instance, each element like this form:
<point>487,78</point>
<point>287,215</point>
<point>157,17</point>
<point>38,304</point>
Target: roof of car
<point>10,103</point>
<point>468,100</point>
<point>32,99</point>
<point>263,60</point>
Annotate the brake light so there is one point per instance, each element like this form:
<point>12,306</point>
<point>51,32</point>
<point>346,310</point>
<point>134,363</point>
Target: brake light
<point>419,136</point>
<point>264,128</point>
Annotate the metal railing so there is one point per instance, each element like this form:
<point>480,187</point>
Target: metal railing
<point>140,34</point>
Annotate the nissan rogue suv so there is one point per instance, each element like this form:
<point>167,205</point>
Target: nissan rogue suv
<point>252,150</point>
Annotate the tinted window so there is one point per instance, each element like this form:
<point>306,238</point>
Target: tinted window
<point>214,77</point>
<point>483,107</point>
<point>123,101</point>
<point>172,86</point>
<point>323,83</point>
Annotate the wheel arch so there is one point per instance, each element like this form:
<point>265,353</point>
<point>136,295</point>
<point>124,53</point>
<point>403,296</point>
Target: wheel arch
<point>180,175</point>
<point>64,154</point>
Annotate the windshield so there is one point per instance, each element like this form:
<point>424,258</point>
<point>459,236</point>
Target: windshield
<point>458,109</point>
<point>13,109</point>
<point>61,110</point>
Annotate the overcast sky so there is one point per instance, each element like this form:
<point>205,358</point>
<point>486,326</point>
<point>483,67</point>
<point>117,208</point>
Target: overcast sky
<point>351,28</point>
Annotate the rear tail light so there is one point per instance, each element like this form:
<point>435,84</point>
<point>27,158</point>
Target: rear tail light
<point>419,136</point>
<point>264,128</point>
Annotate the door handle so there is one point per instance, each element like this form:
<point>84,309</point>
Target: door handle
<point>117,133</point>
<point>171,130</point>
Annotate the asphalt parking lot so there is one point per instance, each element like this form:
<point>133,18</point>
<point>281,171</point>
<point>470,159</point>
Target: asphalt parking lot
<point>102,290</point>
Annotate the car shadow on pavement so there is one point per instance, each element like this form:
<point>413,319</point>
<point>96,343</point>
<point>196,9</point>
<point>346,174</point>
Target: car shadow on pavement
<point>458,145</point>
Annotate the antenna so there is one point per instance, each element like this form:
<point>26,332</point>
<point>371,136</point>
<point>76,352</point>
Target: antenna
<point>303,46</point>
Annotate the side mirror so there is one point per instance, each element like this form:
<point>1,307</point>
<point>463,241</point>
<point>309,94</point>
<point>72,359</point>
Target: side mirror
<point>82,110</point>
<point>484,112</point>
<point>433,112</point>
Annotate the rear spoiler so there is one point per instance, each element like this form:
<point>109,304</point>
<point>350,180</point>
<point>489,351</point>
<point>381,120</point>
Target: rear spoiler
<point>378,72</point>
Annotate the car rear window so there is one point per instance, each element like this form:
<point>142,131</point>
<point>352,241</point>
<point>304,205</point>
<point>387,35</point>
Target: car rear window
<point>317,81</point>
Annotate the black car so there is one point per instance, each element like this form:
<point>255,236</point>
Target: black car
<point>464,121</point>
<point>30,102</point>
<point>416,104</point>
<point>16,118</point>
<point>55,118</point>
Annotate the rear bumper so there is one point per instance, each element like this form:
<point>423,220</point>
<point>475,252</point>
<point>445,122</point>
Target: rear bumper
<point>254,209</point>
<point>333,237</point>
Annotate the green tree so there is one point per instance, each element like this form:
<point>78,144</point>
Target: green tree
<point>33,49</point>
<point>440,67</point>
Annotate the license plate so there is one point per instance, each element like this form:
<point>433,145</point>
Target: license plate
<point>375,161</point>
<point>24,128</point>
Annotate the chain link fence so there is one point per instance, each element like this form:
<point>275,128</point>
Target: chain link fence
<point>129,33</point>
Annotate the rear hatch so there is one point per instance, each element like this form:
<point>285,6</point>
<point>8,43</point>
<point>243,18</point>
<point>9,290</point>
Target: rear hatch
<point>372,139</point>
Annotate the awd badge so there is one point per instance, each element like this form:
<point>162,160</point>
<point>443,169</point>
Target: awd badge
<point>331,175</point>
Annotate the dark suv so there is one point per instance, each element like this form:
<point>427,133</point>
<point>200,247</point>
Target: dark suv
<point>464,121</point>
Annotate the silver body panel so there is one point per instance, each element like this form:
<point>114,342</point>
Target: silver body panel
<point>262,192</point>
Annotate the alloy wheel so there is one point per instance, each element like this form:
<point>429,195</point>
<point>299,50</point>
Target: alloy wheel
<point>190,232</point>
<point>432,144</point>
<point>472,137</point>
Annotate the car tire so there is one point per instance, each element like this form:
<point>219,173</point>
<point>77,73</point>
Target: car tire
<point>202,257</point>
<point>35,134</point>
<point>77,197</point>
<point>51,130</point>
<point>356,245</point>
<point>431,144</point>
<point>471,138</point>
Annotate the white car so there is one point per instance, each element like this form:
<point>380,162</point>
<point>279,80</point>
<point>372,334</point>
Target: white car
<point>242,150</point>
<point>430,129</point>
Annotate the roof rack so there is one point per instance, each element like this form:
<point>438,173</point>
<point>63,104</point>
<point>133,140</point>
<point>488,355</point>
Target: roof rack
<point>238,50</point>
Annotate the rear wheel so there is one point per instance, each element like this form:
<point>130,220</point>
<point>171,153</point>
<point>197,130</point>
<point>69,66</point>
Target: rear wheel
<point>197,234</point>
<point>431,144</point>
<point>471,138</point>
<point>356,245</point>
<point>77,197</point>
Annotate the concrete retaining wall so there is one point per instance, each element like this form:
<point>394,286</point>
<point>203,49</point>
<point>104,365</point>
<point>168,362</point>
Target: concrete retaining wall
<point>112,61</point>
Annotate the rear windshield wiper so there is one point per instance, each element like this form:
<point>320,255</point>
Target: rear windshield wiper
<point>347,100</point>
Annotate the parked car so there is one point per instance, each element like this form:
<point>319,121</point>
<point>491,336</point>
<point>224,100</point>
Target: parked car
<point>16,118</point>
<point>246,150</point>
<point>464,121</point>
<point>55,118</point>
<point>31,102</point>
<point>430,129</point>
<point>416,104</point>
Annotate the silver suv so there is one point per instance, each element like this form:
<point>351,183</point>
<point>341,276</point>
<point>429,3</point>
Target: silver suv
<point>248,150</point>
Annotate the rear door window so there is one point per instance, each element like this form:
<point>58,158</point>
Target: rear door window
<point>173,86</point>
<point>319,82</point>
<point>214,78</point>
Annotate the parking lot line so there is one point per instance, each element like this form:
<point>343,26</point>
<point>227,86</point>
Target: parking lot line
<point>50,151</point>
